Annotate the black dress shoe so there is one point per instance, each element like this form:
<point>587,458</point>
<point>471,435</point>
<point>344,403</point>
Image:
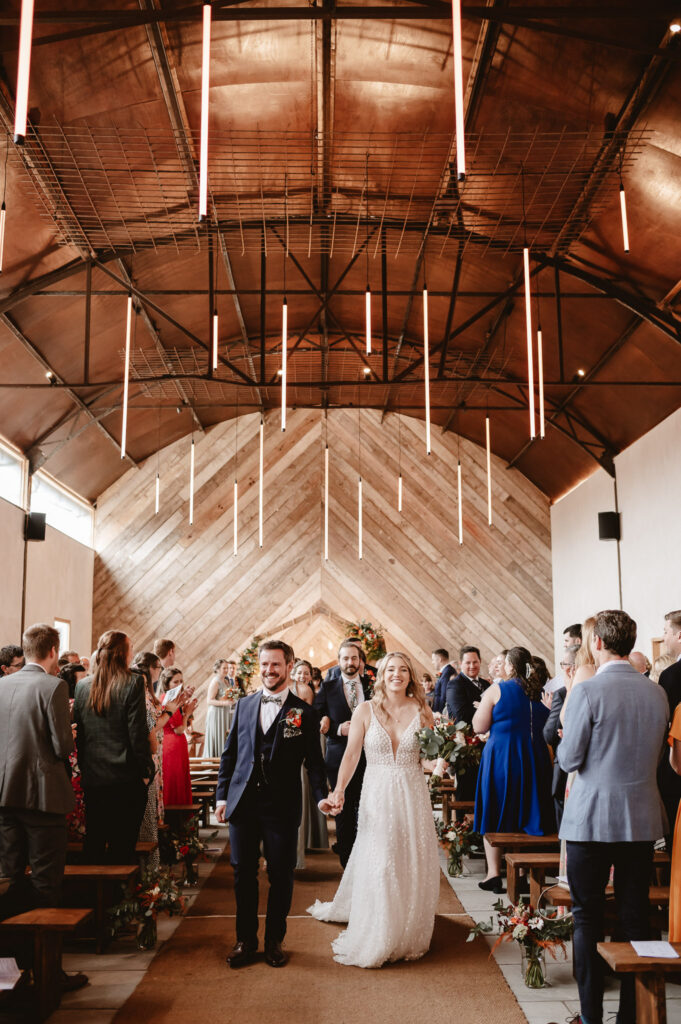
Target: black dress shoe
<point>275,955</point>
<point>492,885</point>
<point>72,982</point>
<point>242,954</point>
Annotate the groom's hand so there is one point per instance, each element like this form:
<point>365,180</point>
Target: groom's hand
<point>220,813</point>
<point>326,807</point>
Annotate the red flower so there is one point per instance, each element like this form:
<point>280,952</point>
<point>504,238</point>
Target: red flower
<point>184,850</point>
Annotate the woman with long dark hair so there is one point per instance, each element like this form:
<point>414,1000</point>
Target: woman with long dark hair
<point>514,783</point>
<point>113,752</point>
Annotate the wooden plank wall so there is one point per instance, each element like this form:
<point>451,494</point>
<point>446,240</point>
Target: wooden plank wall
<point>157,576</point>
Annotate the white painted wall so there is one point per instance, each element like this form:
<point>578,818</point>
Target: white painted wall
<point>585,569</point>
<point>59,580</point>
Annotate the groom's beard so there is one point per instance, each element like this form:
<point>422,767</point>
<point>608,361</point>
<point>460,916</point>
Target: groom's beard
<point>274,683</point>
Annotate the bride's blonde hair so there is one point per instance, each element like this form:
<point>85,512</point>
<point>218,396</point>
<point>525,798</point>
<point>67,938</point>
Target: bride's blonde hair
<point>414,688</point>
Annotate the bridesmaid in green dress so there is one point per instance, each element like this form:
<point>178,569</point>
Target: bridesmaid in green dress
<point>217,715</point>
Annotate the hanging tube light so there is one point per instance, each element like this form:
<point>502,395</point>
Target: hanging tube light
<point>426,366</point>
<point>489,472</point>
<point>528,328</point>
<point>623,210</point>
<point>236,515</point>
<point>326,503</point>
<point>158,493</point>
<point>205,91</point>
<point>262,481</point>
<point>284,353</point>
<point>458,484</point>
<point>399,493</point>
<point>458,90</point>
<point>540,375</point>
<point>359,519</point>
<point>128,332</point>
<point>191,483</point>
<point>23,71</point>
<point>3,215</point>
<point>215,339</point>
<point>367,313</point>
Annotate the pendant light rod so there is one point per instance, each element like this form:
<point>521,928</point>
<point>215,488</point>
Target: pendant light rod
<point>540,375</point>
<point>236,516</point>
<point>528,330</point>
<point>399,493</point>
<point>158,493</point>
<point>126,375</point>
<point>3,215</point>
<point>489,471</point>
<point>191,483</point>
<point>360,538</point>
<point>459,492</point>
<point>23,71</point>
<point>623,211</point>
<point>458,91</point>
<point>262,481</point>
<point>215,339</point>
<point>367,298</point>
<point>205,93</point>
<point>426,365</point>
<point>284,347</point>
<point>326,502</point>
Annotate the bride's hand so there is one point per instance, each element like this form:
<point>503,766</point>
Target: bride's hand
<point>326,806</point>
<point>337,800</point>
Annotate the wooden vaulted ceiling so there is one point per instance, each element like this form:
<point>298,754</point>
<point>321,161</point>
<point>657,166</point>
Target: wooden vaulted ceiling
<point>331,164</point>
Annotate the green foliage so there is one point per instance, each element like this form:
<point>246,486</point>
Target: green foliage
<point>248,663</point>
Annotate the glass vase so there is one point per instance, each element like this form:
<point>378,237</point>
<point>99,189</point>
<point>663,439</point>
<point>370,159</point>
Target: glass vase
<point>146,934</point>
<point>533,966</point>
<point>191,872</point>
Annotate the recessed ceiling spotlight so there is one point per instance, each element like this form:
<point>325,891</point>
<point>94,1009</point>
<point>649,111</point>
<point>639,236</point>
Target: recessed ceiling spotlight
<point>366,371</point>
<point>49,375</point>
<point>581,373</point>
<point>279,373</point>
<point>675,26</point>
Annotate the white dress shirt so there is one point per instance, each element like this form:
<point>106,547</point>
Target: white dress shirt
<point>271,708</point>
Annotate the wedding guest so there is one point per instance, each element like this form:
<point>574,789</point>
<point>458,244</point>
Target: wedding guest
<point>462,696</point>
<point>338,697</point>
<point>553,730</point>
<point>670,681</point>
<point>113,752</point>
<point>259,794</point>
<point>194,739</point>
<point>640,662</point>
<point>615,726</point>
<point>316,678</point>
<point>72,673</point>
<point>218,707</point>
<point>659,665</point>
<point>572,636</point>
<point>69,658</point>
<point>312,832</point>
<point>443,671</point>
<point>302,681</point>
<point>428,684</point>
<point>11,659</point>
<point>514,782</point>
<point>165,651</point>
<point>177,785</point>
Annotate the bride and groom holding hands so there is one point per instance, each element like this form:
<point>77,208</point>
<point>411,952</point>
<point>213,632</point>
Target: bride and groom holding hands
<point>385,834</point>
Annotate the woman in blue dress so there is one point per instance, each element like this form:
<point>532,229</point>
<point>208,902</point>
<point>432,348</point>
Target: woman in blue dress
<point>514,783</point>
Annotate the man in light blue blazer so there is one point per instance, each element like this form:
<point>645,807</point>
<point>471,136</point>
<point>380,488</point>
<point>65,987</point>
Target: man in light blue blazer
<point>614,734</point>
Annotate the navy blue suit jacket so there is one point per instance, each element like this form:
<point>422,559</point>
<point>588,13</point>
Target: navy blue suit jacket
<point>287,756</point>
<point>441,687</point>
<point>332,702</point>
<point>461,695</point>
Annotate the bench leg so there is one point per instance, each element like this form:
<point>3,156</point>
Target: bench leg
<point>651,1005</point>
<point>537,877</point>
<point>512,882</point>
<point>47,972</point>
<point>446,810</point>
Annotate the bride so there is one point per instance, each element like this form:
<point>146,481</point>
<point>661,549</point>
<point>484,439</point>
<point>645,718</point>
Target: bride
<point>389,891</point>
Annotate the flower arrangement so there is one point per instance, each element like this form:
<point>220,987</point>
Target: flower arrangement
<point>535,931</point>
<point>186,847</point>
<point>156,892</point>
<point>234,693</point>
<point>451,742</point>
<point>248,662</point>
<point>371,637</point>
<point>459,840</point>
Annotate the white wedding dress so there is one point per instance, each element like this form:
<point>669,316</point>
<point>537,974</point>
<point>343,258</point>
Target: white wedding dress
<point>389,891</point>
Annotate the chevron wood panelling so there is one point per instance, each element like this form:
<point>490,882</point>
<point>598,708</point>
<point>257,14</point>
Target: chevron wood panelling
<point>155,575</point>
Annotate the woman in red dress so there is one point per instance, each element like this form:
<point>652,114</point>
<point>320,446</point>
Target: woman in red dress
<point>177,786</point>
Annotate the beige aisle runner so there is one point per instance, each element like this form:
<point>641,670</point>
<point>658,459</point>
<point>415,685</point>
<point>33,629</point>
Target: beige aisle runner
<point>189,979</point>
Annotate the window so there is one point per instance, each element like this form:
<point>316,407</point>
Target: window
<point>65,511</point>
<point>12,474</point>
<point>63,627</point>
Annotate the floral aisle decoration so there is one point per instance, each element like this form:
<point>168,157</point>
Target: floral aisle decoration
<point>454,744</point>
<point>156,892</point>
<point>185,847</point>
<point>459,840</point>
<point>535,930</point>
<point>371,636</point>
<point>248,662</point>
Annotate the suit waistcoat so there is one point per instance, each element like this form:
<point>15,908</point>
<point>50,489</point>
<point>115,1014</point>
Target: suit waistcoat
<point>262,750</point>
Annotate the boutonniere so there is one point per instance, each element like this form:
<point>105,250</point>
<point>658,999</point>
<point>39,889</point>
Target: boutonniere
<point>293,723</point>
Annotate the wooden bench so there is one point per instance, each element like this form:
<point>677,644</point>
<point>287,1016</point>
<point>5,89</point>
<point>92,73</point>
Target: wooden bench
<point>101,877</point>
<point>205,797</point>
<point>143,850</point>
<point>451,804</point>
<point>537,864</point>
<point>46,926</point>
<point>649,974</point>
<point>559,896</point>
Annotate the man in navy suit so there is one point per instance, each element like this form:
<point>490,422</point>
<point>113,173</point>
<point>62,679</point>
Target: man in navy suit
<point>260,793</point>
<point>461,697</point>
<point>440,661</point>
<point>338,697</point>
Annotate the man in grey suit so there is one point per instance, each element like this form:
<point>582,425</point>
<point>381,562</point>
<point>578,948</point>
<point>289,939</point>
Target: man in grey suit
<point>614,733</point>
<point>35,788</point>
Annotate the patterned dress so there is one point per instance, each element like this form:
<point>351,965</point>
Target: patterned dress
<point>154,810</point>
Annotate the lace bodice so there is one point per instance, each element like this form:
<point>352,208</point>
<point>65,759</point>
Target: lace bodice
<point>378,747</point>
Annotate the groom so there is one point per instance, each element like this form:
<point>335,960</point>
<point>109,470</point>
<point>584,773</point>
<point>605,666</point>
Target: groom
<point>260,794</point>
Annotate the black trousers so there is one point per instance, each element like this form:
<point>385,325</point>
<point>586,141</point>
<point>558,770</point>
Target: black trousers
<point>346,821</point>
<point>256,820</point>
<point>113,815</point>
<point>588,868</point>
<point>36,839</point>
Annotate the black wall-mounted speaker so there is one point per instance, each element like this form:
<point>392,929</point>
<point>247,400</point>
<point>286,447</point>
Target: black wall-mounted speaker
<point>35,525</point>
<point>609,526</point>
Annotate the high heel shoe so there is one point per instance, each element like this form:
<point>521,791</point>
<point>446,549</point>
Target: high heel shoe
<point>492,885</point>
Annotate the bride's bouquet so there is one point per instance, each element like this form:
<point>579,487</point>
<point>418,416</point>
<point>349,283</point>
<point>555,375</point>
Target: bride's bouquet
<point>454,744</point>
